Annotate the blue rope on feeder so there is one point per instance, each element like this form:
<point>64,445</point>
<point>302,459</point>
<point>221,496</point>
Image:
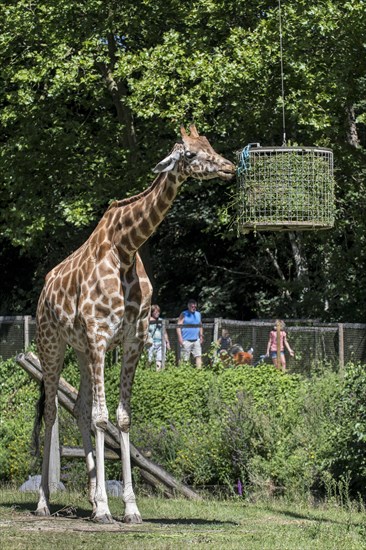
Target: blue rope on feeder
<point>244,159</point>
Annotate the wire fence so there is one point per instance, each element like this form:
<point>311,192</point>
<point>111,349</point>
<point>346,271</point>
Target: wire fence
<point>313,342</point>
<point>16,334</point>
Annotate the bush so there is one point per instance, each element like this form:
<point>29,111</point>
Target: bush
<point>211,423</point>
<point>17,397</point>
<point>347,438</point>
<point>276,433</point>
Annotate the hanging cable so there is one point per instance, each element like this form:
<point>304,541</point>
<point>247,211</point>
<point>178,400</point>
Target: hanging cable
<point>282,76</point>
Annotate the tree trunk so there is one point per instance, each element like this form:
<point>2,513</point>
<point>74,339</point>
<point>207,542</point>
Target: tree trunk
<point>301,265</point>
<point>352,134</point>
<point>118,91</point>
<point>276,265</point>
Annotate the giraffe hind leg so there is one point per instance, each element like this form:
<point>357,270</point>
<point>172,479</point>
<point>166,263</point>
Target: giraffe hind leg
<point>91,410</point>
<point>83,413</point>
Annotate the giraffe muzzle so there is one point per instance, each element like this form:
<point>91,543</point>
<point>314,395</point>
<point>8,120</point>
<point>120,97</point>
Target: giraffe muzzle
<point>227,173</point>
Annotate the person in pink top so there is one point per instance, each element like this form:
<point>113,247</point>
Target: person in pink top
<point>272,344</point>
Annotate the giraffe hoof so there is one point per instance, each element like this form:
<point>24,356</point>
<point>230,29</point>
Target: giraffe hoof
<point>42,512</point>
<point>132,518</point>
<point>104,519</point>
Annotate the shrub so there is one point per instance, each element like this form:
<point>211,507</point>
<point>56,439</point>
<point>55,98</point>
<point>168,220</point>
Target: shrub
<point>17,397</point>
<point>347,437</point>
<point>277,433</point>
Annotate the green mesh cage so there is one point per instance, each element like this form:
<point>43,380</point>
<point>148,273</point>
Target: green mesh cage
<point>285,188</point>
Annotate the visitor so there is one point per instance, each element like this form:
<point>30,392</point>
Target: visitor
<point>190,338</point>
<point>272,344</point>
<point>155,338</point>
<point>224,343</point>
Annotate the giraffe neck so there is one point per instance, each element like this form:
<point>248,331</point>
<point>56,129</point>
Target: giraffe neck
<point>132,221</point>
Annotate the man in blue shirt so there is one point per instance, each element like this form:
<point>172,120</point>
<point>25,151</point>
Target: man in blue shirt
<point>190,338</point>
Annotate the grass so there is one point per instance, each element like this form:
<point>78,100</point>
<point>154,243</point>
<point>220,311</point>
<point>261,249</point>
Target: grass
<point>178,524</point>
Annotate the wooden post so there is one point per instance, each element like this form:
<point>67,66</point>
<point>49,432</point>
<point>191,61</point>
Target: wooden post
<point>27,318</point>
<point>341,346</point>
<point>278,360</point>
<point>217,326</point>
<point>55,462</point>
<point>163,343</point>
<point>254,339</point>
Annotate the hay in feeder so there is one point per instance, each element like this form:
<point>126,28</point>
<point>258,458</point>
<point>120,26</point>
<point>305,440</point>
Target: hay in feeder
<point>285,188</point>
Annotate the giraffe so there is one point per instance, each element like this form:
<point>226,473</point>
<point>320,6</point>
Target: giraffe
<point>99,297</point>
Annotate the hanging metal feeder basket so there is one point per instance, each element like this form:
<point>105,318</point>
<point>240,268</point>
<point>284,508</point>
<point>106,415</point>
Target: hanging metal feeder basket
<point>285,188</point>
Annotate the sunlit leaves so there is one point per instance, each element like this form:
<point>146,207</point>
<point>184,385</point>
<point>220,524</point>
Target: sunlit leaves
<point>94,92</point>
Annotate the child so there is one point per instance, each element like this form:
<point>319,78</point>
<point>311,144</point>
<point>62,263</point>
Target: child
<point>224,343</point>
<point>272,344</point>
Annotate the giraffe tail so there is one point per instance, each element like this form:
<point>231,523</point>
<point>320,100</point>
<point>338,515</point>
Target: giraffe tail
<point>38,421</point>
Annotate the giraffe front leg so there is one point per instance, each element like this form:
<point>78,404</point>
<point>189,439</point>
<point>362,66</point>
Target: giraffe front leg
<point>83,414</point>
<point>132,350</point>
<point>132,514</point>
<point>81,411</point>
<point>101,513</point>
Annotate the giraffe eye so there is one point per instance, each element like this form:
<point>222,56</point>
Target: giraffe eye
<point>190,155</point>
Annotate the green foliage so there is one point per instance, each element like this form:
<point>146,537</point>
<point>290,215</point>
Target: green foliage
<point>17,401</point>
<point>178,386</point>
<point>274,432</point>
<point>277,433</point>
<point>92,97</point>
<point>349,432</point>
<point>227,423</point>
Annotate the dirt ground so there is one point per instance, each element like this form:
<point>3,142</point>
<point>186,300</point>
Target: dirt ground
<point>64,521</point>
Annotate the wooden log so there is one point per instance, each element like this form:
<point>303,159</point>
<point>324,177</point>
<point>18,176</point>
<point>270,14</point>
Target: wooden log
<point>67,396</point>
<point>78,452</point>
<point>151,480</point>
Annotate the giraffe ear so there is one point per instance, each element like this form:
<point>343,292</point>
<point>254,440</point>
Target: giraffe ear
<point>193,131</point>
<point>169,162</point>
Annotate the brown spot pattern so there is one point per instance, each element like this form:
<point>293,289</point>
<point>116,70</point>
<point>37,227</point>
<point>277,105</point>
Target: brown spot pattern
<point>100,295</point>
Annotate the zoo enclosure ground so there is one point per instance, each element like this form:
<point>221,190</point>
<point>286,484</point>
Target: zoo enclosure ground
<point>178,524</point>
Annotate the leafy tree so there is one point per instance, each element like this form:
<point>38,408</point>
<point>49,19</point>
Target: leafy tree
<point>93,96</point>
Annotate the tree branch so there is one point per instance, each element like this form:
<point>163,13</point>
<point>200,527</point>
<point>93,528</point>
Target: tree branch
<point>302,270</point>
<point>118,90</point>
<point>277,267</point>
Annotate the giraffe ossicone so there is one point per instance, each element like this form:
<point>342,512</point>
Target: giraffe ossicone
<point>99,297</point>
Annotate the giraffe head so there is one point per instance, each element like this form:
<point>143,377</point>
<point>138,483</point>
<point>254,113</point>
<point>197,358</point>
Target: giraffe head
<point>195,158</point>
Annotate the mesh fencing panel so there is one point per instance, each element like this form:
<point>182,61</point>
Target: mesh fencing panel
<point>208,336</point>
<point>354,342</point>
<point>312,342</point>
<point>15,335</point>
